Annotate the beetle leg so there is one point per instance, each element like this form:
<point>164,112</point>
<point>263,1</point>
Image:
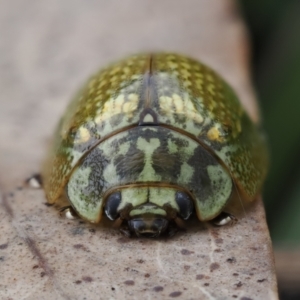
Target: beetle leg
<point>180,223</point>
<point>68,212</point>
<point>117,223</point>
<point>176,226</point>
<point>125,231</point>
<point>173,229</point>
<point>224,219</point>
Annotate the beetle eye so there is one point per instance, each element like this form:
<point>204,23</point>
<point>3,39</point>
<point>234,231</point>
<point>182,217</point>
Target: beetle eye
<point>112,204</point>
<point>185,204</point>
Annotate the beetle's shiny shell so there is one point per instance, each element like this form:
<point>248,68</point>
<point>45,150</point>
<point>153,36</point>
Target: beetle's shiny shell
<point>172,91</point>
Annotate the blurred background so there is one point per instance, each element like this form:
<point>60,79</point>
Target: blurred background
<point>274,27</point>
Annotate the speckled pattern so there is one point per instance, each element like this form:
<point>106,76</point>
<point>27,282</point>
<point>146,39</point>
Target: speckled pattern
<point>149,155</point>
<point>170,90</point>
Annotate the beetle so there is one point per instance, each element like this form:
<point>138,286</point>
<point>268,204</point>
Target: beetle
<point>149,140</point>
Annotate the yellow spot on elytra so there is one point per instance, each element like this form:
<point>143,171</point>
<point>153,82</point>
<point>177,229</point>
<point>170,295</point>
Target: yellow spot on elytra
<point>83,136</point>
<point>178,103</point>
<point>114,79</point>
<point>108,106</point>
<point>191,111</point>
<point>199,84</point>
<point>98,119</point>
<point>210,78</point>
<point>133,97</point>
<point>115,70</point>
<point>102,83</point>
<point>172,65</point>
<point>131,104</point>
<point>211,89</point>
<point>185,73</point>
<point>199,75</point>
<point>126,70</point>
<point>198,118</point>
<point>91,90</point>
<point>186,83</point>
<point>135,76</point>
<point>119,101</point>
<point>165,103</point>
<point>186,65</point>
<point>214,134</point>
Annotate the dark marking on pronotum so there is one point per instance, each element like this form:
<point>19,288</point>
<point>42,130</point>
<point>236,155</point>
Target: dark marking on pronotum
<point>214,266</point>
<point>175,294</point>
<point>239,284</point>
<point>78,281</point>
<point>129,282</point>
<point>147,275</point>
<point>261,280</point>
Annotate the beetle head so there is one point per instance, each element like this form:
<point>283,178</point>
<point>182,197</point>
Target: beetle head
<point>148,226</point>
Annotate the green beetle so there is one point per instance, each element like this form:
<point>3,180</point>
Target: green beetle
<point>149,140</point>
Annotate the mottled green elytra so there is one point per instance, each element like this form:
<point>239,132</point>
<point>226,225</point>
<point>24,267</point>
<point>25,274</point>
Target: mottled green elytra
<point>149,138</point>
